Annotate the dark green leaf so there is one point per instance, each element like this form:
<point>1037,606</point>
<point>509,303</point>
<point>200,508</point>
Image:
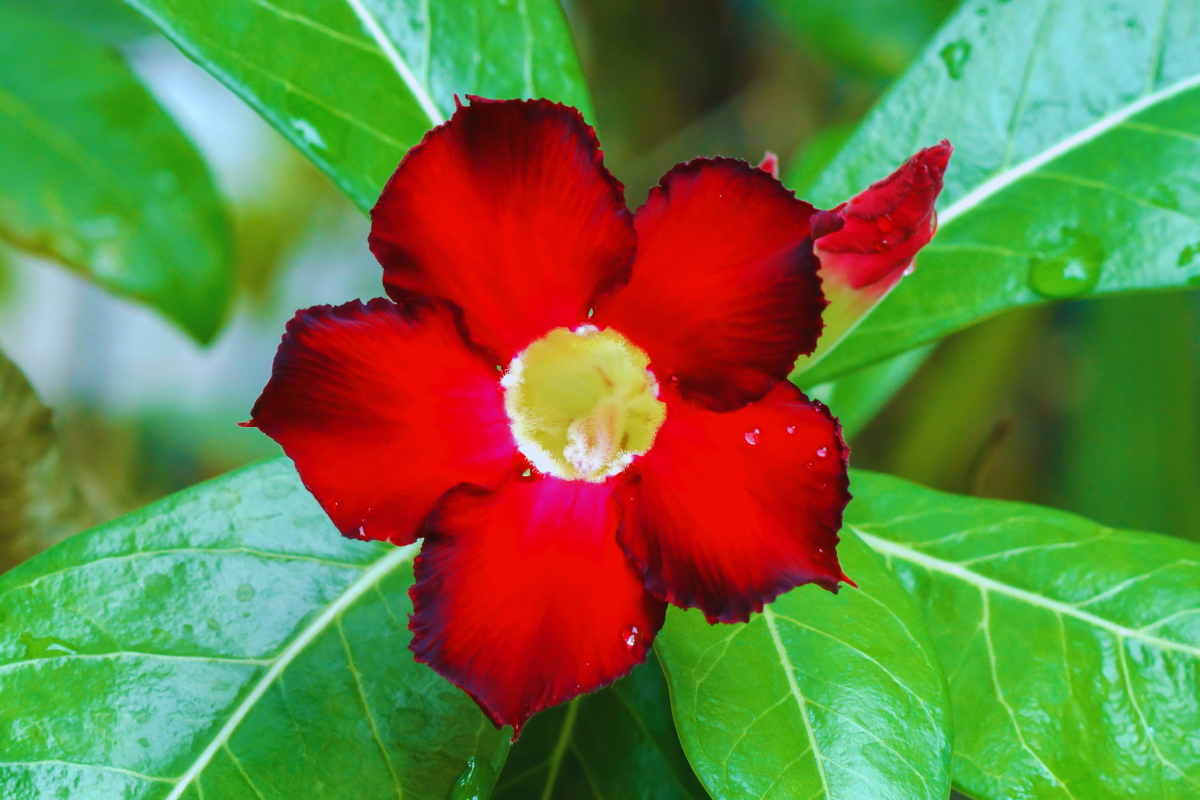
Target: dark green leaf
<point>1133,443</point>
<point>355,83</point>
<point>95,175</point>
<point>873,37</point>
<point>1073,650</point>
<point>1077,128</point>
<point>616,744</point>
<point>820,696</point>
<point>39,502</point>
<point>225,642</point>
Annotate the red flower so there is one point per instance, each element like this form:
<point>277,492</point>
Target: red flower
<point>583,411</point>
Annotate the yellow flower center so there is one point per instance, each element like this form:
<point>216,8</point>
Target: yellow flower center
<point>582,403</point>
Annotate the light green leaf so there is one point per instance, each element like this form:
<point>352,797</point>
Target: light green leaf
<point>1077,131</point>
<point>1072,650</point>
<point>614,744</point>
<point>39,502</point>
<point>355,83</point>
<point>95,175</point>
<point>820,696</point>
<point>225,642</point>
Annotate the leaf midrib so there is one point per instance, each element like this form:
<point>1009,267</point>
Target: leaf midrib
<point>369,579</point>
<point>789,670</point>
<point>1005,178</point>
<point>986,584</point>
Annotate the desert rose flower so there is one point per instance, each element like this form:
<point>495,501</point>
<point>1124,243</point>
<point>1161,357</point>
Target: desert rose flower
<point>584,412</point>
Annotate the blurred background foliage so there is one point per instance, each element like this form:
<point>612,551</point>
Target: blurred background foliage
<point>1089,406</point>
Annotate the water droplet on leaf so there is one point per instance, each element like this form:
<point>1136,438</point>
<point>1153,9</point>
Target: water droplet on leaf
<point>1067,268</point>
<point>245,593</point>
<point>955,56</point>
<point>630,635</point>
<point>44,646</point>
<point>158,584</point>
<point>475,782</point>
<point>752,436</point>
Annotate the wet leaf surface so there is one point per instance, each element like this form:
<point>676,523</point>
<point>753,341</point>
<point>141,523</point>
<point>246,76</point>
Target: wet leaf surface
<point>1076,129</point>
<point>1072,650</point>
<point>820,696</point>
<point>225,642</point>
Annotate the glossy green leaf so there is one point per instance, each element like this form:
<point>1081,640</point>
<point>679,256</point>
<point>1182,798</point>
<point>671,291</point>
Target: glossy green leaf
<point>39,501</point>
<point>856,398</point>
<point>1077,130</point>
<point>355,83</point>
<point>616,744</point>
<point>225,642</point>
<point>95,175</point>
<point>1072,650</point>
<point>820,696</point>
<point>872,37</point>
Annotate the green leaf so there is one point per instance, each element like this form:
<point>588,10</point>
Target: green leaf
<point>355,83</point>
<point>872,37</point>
<point>820,696</point>
<point>225,642</point>
<point>856,398</point>
<point>39,502</point>
<point>95,175</point>
<point>108,21</point>
<point>613,744</point>
<point>1072,650</point>
<point>1077,131</point>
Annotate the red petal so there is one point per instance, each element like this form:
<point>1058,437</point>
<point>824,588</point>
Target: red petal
<point>770,164</point>
<point>735,509</point>
<point>383,411</point>
<point>523,598</point>
<point>724,294</point>
<point>887,224</point>
<point>508,212</point>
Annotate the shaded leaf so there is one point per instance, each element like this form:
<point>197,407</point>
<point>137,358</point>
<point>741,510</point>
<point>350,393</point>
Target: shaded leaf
<point>1072,650</point>
<point>820,696</point>
<point>95,175</point>
<point>225,642</point>
<point>355,83</point>
<point>613,744</point>
<point>110,21</point>
<point>1077,127</point>
<point>40,504</point>
<point>856,398</point>
<point>871,37</point>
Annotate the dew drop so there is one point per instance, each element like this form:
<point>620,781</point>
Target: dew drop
<point>674,380</point>
<point>791,428</point>
<point>955,56</point>
<point>526,473</point>
<point>144,742</point>
<point>1068,267</point>
<point>245,593</point>
<point>752,436</point>
<point>157,584</point>
<point>910,269</point>
<point>885,224</point>
<point>630,635</point>
<point>44,646</point>
<point>822,452</point>
<point>1187,255</point>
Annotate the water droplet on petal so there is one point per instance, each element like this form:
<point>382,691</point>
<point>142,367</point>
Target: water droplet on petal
<point>674,380</point>
<point>791,428</point>
<point>885,224</point>
<point>822,452</point>
<point>630,635</point>
<point>752,436</point>
<point>911,268</point>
